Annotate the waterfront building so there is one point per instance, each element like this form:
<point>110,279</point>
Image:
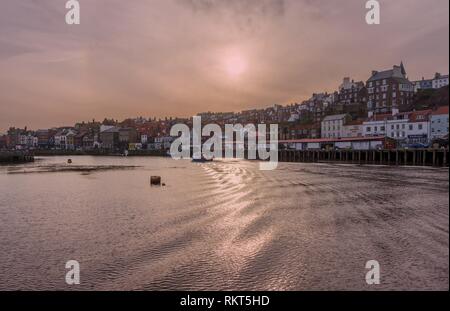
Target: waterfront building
<point>439,122</point>
<point>389,89</point>
<point>13,137</point>
<point>43,137</point>
<point>353,128</point>
<point>128,135</point>
<point>65,139</point>
<point>407,128</point>
<point>298,131</point>
<point>333,126</point>
<point>3,141</point>
<point>353,143</point>
<point>109,138</point>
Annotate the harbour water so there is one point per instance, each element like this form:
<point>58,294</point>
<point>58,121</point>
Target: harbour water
<point>223,225</point>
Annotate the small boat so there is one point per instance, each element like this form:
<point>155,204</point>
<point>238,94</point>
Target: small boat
<point>69,161</point>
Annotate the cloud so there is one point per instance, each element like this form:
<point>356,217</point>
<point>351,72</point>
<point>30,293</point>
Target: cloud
<point>246,15</point>
<point>165,57</point>
<point>238,7</point>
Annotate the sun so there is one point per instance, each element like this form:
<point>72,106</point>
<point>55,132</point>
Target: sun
<point>235,65</point>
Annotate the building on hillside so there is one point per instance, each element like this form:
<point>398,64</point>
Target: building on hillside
<point>389,89</point>
<point>435,83</point>
<point>440,81</point>
<point>439,122</point>
<point>351,92</point>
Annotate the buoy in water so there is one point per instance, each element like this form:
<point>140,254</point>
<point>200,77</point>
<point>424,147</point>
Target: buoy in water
<point>155,181</point>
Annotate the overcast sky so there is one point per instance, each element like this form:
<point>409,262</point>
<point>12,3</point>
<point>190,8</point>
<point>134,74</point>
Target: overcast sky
<point>180,57</point>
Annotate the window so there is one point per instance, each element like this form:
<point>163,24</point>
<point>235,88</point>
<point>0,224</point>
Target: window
<point>382,129</point>
<point>368,129</point>
<point>420,126</point>
<point>410,127</point>
<point>376,128</point>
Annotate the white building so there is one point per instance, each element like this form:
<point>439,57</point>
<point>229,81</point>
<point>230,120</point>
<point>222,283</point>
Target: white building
<point>439,123</point>
<point>64,139</point>
<point>353,143</point>
<point>407,128</point>
<point>440,81</point>
<point>435,83</point>
<point>161,143</point>
<point>28,140</point>
<point>144,138</point>
<point>333,126</point>
<point>353,129</point>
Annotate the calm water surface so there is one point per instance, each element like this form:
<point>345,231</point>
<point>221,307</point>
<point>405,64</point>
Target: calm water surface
<point>221,225</point>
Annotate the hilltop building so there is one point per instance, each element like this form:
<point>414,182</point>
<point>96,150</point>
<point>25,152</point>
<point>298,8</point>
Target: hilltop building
<point>389,89</point>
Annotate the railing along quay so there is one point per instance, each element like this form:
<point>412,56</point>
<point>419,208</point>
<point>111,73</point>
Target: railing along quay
<point>414,157</point>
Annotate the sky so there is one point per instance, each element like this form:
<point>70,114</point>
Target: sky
<point>157,58</point>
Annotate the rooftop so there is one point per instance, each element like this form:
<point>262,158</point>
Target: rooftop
<point>440,110</point>
<point>335,117</point>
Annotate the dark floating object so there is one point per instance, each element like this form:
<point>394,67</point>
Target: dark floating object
<point>163,184</point>
<point>69,161</point>
<point>155,180</point>
<point>203,159</point>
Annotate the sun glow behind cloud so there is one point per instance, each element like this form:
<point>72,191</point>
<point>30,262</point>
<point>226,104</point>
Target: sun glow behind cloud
<point>235,64</point>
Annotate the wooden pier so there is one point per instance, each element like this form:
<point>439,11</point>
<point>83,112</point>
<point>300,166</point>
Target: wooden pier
<point>411,157</point>
<point>15,157</point>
